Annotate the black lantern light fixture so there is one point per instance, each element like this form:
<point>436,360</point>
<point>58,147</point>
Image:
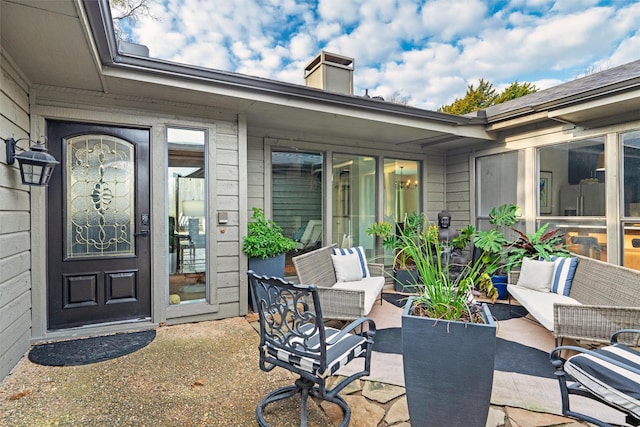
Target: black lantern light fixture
<point>36,165</point>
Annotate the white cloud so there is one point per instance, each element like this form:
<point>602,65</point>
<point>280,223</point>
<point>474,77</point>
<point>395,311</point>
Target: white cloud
<point>428,50</point>
<point>448,21</point>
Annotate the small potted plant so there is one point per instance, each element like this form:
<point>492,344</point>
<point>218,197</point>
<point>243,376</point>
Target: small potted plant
<point>403,266</point>
<point>405,277</point>
<point>265,245</point>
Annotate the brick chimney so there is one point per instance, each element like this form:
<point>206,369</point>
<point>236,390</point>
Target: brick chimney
<point>331,72</point>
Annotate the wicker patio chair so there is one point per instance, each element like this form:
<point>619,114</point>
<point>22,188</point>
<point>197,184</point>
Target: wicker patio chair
<point>610,375</point>
<point>293,336</point>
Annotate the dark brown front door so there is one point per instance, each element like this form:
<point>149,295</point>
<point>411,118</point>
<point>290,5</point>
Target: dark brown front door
<point>98,225</point>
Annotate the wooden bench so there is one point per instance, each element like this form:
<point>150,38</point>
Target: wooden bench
<point>603,299</point>
<point>340,300</point>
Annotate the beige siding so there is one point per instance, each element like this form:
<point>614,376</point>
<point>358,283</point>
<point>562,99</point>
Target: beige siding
<point>15,255</point>
<point>457,189</point>
<point>228,184</point>
<point>255,172</point>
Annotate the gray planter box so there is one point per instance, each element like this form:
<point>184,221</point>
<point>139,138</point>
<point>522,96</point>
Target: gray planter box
<point>270,267</point>
<point>448,369</point>
<point>404,280</point>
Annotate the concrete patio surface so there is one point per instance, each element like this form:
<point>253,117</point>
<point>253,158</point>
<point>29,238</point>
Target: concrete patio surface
<point>207,374</point>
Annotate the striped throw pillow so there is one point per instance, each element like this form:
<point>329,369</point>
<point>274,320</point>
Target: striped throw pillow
<point>359,250</point>
<point>563,273</point>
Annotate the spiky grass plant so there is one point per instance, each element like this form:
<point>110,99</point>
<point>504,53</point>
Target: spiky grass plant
<point>441,295</point>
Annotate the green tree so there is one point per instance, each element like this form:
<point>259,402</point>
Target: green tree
<point>515,90</point>
<point>475,99</point>
<point>485,95</point>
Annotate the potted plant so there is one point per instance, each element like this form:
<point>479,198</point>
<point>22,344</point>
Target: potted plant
<point>265,245</point>
<point>503,255</point>
<point>404,274</point>
<point>403,266</point>
<point>448,340</point>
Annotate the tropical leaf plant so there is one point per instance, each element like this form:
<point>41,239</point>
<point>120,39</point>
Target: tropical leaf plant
<point>541,244</point>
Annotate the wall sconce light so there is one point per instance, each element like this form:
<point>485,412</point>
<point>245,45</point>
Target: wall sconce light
<point>36,165</point>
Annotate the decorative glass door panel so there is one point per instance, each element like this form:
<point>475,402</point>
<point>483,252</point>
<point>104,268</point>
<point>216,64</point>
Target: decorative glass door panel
<point>100,187</point>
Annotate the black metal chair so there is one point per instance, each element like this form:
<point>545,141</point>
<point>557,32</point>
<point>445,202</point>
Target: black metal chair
<point>610,375</point>
<point>293,336</point>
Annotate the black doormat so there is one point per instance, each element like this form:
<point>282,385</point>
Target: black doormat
<point>90,350</point>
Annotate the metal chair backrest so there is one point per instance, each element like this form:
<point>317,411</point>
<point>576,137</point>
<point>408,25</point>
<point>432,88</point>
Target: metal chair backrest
<point>291,322</point>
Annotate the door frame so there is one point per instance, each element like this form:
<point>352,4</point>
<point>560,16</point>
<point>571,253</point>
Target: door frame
<point>128,273</point>
<point>157,123</point>
<point>38,226</point>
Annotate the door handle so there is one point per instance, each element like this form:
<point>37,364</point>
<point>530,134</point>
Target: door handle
<point>142,233</point>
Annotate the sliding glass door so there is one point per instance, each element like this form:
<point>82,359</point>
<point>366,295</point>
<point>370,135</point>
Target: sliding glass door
<point>297,200</point>
<point>354,200</point>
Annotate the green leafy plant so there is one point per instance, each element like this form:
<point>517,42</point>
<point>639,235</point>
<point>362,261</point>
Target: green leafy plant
<point>541,244</point>
<point>412,228</point>
<point>441,295</point>
<point>264,237</point>
<point>499,253</point>
<point>418,248</point>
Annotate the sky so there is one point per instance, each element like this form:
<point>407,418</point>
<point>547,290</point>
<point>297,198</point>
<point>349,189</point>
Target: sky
<point>425,52</point>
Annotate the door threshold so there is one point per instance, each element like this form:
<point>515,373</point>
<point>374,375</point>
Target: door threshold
<point>96,329</point>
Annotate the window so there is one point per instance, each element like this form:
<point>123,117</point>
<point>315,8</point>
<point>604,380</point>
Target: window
<point>297,200</point>
<point>354,200</point>
<point>572,179</point>
<point>497,181</point>
<point>572,186</point>
<point>187,207</point>
<point>401,193</point>
<point>630,199</point>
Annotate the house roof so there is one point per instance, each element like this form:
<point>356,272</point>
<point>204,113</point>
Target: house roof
<point>608,96</point>
<point>70,47</point>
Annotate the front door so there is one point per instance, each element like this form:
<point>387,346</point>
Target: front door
<point>98,239</point>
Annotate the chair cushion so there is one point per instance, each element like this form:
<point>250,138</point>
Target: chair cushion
<point>613,383</point>
<point>539,304</point>
<point>564,269</point>
<point>359,250</point>
<point>371,286</point>
<point>347,267</point>
<point>536,275</point>
<point>339,354</point>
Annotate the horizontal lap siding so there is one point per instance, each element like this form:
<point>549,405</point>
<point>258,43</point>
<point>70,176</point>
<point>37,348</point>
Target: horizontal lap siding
<point>228,201</point>
<point>458,178</point>
<point>15,256</point>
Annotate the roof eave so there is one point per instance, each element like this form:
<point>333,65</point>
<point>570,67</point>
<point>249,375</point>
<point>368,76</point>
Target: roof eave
<point>99,16</point>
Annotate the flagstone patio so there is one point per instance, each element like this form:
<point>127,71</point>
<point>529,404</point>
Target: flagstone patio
<point>207,374</point>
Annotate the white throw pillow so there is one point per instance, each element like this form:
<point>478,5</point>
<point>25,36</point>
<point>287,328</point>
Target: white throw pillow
<point>536,275</point>
<point>358,250</point>
<point>347,267</point>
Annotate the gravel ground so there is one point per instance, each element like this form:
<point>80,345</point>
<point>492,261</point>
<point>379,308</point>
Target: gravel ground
<point>200,374</point>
